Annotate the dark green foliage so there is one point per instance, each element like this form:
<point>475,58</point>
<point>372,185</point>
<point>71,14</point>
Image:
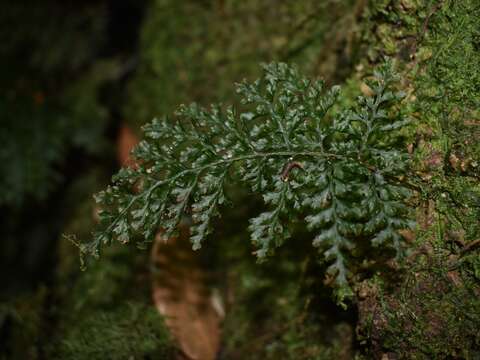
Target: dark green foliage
<point>38,131</point>
<point>32,143</point>
<point>131,331</point>
<point>342,170</point>
<point>49,94</point>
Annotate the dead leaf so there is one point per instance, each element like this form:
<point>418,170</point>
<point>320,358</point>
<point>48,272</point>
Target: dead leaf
<point>182,296</point>
<point>180,291</point>
<point>366,90</point>
<point>127,140</point>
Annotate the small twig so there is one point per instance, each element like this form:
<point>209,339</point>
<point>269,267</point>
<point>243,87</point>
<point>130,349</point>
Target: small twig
<point>289,167</point>
<point>427,20</point>
<point>422,33</point>
<point>469,247</point>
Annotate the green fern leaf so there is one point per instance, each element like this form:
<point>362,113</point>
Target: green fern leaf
<point>339,171</point>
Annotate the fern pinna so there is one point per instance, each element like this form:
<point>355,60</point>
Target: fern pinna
<point>338,170</point>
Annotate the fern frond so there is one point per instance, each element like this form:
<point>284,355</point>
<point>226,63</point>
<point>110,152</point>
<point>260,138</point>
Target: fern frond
<point>341,170</point>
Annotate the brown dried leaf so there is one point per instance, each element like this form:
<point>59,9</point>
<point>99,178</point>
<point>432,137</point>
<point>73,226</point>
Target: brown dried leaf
<point>181,295</point>
<point>126,142</point>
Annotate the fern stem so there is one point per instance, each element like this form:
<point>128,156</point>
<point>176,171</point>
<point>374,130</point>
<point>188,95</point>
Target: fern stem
<point>201,169</point>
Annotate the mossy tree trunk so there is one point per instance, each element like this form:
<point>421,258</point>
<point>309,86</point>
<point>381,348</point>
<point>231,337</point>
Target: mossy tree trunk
<point>425,306</point>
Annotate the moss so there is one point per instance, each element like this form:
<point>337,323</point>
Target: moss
<point>267,321</point>
<point>279,309</point>
<point>104,312</point>
<point>434,314</point>
<point>194,51</point>
<point>429,310</point>
<point>129,331</point>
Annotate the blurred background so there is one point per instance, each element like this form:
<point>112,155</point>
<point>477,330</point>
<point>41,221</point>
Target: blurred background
<point>77,81</point>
